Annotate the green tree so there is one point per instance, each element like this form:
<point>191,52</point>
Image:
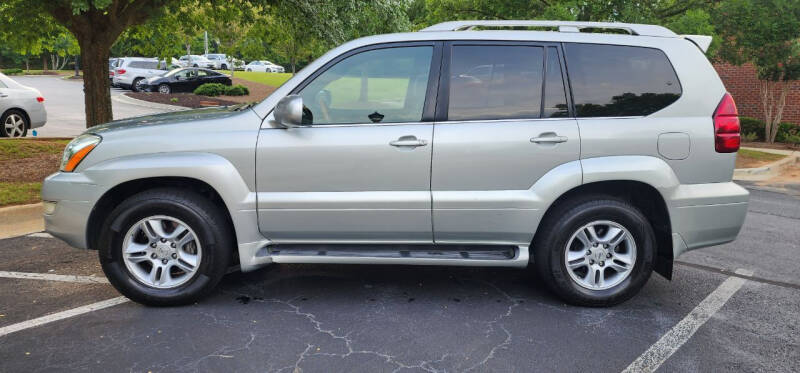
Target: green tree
<point>765,33</point>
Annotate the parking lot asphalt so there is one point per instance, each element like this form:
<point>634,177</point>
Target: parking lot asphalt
<point>326,318</point>
<point>65,107</point>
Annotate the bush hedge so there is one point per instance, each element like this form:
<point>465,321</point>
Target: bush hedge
<point>211,89</point>
<point>237,90</point>
<point>787,132</point>
<point>14,71</point>
<point>218,89</point>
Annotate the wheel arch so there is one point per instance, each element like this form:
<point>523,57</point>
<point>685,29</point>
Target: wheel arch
<point>644,197</point>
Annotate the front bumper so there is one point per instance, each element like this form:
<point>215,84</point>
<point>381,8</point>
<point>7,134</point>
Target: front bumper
<point>706,215</point>
<point>74,196</point>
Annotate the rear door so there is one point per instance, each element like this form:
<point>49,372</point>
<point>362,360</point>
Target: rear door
<point>502,121</point>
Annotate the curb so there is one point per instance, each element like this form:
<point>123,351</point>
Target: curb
<point>20,220</point>
<point>122,98</point>
<point>769,170</point>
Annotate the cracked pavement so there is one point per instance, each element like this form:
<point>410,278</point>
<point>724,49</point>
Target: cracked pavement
<point>330,318</point>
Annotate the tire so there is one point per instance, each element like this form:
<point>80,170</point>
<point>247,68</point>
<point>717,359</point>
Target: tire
<point>164,89</point>
<point>604,285</point>
<point>135,85</point>
<point>14,123</point>
<point>224,67</point>
<point>204,247</point>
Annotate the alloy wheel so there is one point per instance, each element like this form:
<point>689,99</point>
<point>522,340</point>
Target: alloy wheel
<point>14,125</point>
<point>161,252</point>
<point>600,255</point>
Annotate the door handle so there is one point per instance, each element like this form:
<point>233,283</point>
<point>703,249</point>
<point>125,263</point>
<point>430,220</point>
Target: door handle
<point>3,95</point>
<point>549,138</point>
<point>408,141</point>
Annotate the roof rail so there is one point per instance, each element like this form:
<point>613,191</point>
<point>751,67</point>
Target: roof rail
<point>563,26</point>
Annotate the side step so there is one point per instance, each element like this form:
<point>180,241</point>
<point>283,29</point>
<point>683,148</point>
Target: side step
<point>456,255</point>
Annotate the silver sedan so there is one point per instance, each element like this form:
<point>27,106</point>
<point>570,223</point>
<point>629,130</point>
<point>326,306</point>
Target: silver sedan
<point>22,108</point>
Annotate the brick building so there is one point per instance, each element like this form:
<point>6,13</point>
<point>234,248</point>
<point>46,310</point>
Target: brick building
<point>742,83</point>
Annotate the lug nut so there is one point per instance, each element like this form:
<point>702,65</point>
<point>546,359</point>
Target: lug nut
<point>608,255</point>
<point>153,245</point>
<point>591,262</point>
<point>594,244</point>
<point>588,252</point>
<point>602,263</point>
<point>163,261</point>
<point>163,240</point>
<point>174,256</point>
<point>153,255</point>
<point>172,245</point>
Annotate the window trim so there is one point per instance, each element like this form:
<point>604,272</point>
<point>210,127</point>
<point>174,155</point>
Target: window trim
<point>429,103</point>
<point>443,101</point>
<point>574,113</point>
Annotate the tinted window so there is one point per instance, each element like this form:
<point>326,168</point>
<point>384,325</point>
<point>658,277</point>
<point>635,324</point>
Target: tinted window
<point>382,85</point>
<point>495,82</point>
<point>143,64</point>
<point>555,97</point>
<point>614,80</point>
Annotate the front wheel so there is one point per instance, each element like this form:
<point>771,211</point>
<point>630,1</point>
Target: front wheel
<point>596,251</point>
<point>165,247</point>
<point>164,89</point>
<point>137,85</point>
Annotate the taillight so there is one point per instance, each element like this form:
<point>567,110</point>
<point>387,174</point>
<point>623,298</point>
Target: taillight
<point>726,126</point>
<point>40,99</point>
<point>121,71</point>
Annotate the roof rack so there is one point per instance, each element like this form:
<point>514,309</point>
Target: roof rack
<point>563,26</point>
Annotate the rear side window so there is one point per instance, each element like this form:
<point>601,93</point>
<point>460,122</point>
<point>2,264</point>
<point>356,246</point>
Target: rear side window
<point>615,80</point>
<point>143,64</point>
<point>555,96</point>
<point>495,82</point>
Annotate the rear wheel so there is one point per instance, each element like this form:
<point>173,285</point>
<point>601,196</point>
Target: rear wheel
<point>595,251</point>
<point>165,247</point>
<point>224,67</point>
<point>15,124</point>
<point>137,85</point>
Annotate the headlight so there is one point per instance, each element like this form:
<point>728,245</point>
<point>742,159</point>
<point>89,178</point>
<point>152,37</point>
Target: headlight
<point>76,150</point>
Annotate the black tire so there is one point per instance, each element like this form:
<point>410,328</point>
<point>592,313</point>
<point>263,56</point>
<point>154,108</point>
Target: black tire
<point>4,132</point>
<point>224,67</point>
<point>135,86</point>
<point>550,244</point>
<point>164,89</point>
<point>248,70</point>
<point>208,222</point>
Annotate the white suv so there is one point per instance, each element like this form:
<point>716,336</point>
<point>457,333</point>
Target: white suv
<point>219,61</point>
<point>131,72</point>
<point>195,61</point>
<point>596,158</point>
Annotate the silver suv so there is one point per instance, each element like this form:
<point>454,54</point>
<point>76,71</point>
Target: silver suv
<point>596,158</point>
<point>132,72</point>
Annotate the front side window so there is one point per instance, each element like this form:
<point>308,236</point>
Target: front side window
<point>616,80</point>
<point>495,82</point>
<point>376,86</point>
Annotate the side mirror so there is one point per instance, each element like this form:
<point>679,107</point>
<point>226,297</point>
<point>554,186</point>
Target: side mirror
<point>289,111</point>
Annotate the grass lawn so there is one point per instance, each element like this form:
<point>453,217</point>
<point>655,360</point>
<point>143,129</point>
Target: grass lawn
<point>753,158</point>
<point>24,163</point>
<point>270,79</point>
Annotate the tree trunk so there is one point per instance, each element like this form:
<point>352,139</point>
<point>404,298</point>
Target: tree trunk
<point>95,83</point>
<point>773,107</point>
<point>44,62</point>
<point>77,68</point>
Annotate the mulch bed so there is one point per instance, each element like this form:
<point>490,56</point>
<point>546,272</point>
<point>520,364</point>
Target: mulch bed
<point>258,92</point>
<point>189,100</point>
<point>32,169</point>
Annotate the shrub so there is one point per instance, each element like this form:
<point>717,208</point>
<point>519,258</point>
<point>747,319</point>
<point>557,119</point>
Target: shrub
<point>237,90</point>
<point>13,71</point>
<point>786,131</point>
<point>752,126</point>
<point>750,137</point>
<point>793,140</point>
<point>211,89</point>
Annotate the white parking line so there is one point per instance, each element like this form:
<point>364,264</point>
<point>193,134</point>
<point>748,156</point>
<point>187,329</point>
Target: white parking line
<point>670,342</point>
<point>61,315</point>
<point>52,277</point>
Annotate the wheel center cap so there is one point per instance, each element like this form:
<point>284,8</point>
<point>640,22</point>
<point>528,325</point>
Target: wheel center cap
<point>600,255</point>
<point>163,250</point>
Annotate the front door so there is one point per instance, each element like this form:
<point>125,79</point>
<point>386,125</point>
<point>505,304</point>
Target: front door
<point>503,121</point>
<point>358,170</point>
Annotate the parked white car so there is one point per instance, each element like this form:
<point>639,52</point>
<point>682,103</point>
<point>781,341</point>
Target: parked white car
<point>131,72</point>
<point>22,108</point>
<point>195,61</point>
<point>264,66</point>
<point>219,60</point>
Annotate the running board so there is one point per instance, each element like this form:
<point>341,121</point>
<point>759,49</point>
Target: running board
<point>449,255</point>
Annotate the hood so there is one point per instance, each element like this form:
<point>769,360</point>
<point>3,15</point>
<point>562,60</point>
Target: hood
<point>174,117</point>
